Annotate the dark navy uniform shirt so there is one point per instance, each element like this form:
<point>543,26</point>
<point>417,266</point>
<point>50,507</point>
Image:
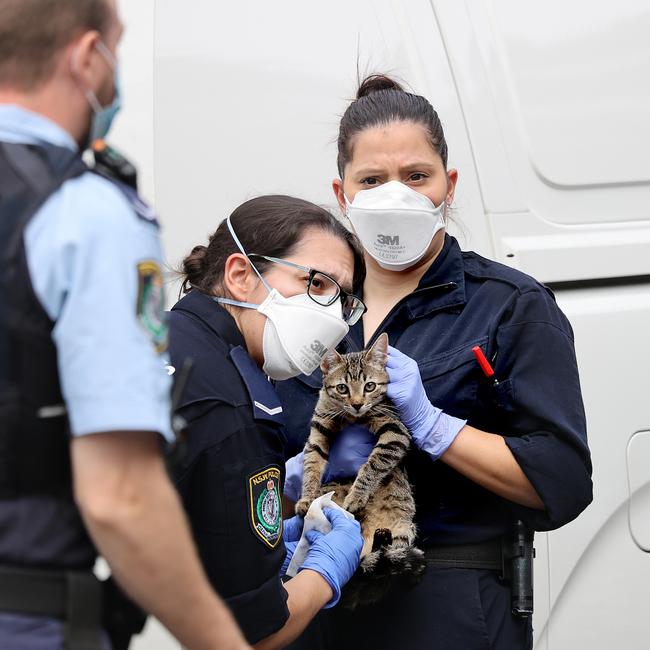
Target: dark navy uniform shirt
<point>465,300</point>
<point>232,476</point>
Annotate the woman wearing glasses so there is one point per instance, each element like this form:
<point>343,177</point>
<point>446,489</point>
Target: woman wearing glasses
<point>268,296</point>
<point>485,453</point>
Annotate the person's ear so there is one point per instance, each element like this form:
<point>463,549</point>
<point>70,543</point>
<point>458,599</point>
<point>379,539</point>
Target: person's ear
<point>239,279</point>
<point>452,179</point>
<point>85,61</point>
<point>337,186</point>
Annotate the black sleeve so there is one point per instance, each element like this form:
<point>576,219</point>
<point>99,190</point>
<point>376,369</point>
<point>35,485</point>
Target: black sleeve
<point>225,452</point>
<point>542,408</point>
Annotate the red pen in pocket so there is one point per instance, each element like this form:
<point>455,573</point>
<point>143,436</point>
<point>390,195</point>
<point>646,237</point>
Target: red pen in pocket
<point>487,369</point>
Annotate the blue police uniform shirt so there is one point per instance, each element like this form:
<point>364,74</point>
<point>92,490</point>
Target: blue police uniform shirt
<point>90,259</point>
<point>465,300</point>
<point>231,477</point>
<point>94,266</point>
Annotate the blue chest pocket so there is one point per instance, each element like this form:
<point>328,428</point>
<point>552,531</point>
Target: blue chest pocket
<point>451,378</point>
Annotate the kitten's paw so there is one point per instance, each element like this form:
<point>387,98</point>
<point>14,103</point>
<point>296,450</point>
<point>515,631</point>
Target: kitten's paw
<point>383,537</point>
<point>353,505</point>
<point>302,506</point>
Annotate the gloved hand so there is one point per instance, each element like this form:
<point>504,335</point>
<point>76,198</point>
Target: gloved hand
<point>290,548</point>
<point>349,451</point>
<point>292,530</point>
<point>335,556</point>
<point>433,431</point>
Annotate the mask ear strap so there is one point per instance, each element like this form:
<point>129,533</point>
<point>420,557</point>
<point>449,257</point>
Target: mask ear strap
<point>241,248</point>
<point>89,94</point>
<point>236,303</point>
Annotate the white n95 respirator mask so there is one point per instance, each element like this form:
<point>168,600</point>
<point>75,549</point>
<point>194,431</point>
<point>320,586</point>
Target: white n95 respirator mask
<point>298,332</point>
<point>395,224</point>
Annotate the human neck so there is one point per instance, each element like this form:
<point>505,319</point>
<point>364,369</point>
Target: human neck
<point>50,102</point>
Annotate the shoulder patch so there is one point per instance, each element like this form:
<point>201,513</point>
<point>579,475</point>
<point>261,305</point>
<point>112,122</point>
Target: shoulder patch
<point>151,303</point>
<point>265,505</point>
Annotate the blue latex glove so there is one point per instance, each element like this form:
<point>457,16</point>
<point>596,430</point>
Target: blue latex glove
<point>335,556</point>
<point>349,451</point>
<point>291,531</point>
<point>290,548</point>
<point>433,431</point>
<point>292,528</point>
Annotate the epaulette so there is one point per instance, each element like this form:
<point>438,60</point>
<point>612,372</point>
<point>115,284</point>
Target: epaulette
<point>112,165</point>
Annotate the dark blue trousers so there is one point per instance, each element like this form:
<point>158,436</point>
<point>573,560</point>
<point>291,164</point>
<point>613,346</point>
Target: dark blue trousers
<point>449,609</point>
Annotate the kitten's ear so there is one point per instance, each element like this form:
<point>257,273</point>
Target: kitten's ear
<point>329,360</point>
<point>378,351</point>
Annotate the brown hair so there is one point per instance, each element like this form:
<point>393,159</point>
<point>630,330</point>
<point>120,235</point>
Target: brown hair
<point>33,33</point>
<point>381,100</point>
<point>267,225</point>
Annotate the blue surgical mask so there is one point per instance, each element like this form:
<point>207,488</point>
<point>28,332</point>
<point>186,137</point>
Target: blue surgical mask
<point>104,115</point>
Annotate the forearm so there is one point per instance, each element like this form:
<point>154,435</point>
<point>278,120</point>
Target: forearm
<point>308,593</point>
<point>486,459</point>
<point>138,525</point>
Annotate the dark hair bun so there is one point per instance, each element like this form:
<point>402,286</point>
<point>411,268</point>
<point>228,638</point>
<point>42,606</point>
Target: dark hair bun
<point>194,266</point>
<point>375,83</point>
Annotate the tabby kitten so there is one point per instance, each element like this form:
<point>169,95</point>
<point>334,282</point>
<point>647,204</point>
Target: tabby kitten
<point>380,497</point>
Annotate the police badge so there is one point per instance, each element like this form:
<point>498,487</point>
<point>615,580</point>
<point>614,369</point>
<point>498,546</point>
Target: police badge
<point>151,303</point>
<point>265,505</point>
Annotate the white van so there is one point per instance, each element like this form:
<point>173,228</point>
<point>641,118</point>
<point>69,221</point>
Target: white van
<point>546,108</point>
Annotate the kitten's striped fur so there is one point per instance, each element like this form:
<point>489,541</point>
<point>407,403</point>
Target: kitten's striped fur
<point>380,497</point>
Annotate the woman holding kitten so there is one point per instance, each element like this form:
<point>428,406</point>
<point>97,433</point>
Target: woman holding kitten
<point>486,453</point>
<point>268,296</point>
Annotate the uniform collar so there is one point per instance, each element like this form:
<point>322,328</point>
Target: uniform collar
<point>21,126</point>
<point>206,309</point>
<point>443,285</point>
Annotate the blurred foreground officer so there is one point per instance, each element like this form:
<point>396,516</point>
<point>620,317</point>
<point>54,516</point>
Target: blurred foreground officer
<point>83,393</point>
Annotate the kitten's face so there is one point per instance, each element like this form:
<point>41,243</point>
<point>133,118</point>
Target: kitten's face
<point>357,381</point>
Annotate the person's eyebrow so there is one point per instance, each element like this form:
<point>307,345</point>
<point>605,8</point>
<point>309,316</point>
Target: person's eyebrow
<point>346,286</point>
<point>378,171</point>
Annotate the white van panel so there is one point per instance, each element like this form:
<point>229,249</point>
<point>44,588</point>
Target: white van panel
<point>492,46</point>
<point>595,565</point>
<point>574,69</point>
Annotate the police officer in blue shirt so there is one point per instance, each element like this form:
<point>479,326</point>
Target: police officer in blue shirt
<point>84,398</point>
<point>268,297</point>
<point>492,453</point>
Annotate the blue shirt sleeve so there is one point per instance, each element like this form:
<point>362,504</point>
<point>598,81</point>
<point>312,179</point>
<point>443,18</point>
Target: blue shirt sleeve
<point>95,267</point>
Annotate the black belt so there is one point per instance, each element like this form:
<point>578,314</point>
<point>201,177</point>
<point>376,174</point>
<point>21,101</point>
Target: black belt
<point>73,596</point>
<point>484,555</point>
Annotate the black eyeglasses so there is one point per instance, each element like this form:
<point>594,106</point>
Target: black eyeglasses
<point>325,290</point>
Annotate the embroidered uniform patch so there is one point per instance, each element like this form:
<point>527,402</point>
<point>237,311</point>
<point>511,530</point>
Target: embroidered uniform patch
<point>265,505</point>
<point>151,303</point>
